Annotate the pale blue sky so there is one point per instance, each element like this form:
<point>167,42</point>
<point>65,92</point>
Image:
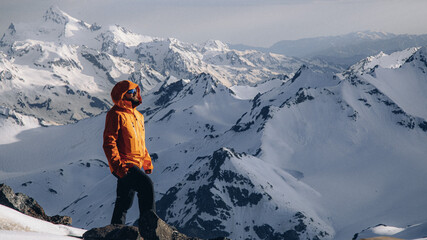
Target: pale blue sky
<point>251,22</point>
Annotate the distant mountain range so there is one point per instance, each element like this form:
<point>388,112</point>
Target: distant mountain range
<point>59,69</point>
<point>344,50</point>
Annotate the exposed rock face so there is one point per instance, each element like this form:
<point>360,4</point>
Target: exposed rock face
<point>28,206</point>
<point>57,219</point>
<point>151,227</point>
<point>113,232</point>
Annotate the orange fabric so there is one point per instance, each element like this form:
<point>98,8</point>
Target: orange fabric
<point>124,133</point>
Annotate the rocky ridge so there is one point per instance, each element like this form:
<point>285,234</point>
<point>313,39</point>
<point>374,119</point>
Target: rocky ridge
<point>28,206</point>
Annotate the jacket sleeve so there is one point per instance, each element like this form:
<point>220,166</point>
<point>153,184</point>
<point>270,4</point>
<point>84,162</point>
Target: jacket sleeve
<point>146,161</point>
<point>146,164</point>
<point>111,133</point>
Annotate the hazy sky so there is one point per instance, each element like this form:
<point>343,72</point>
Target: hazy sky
<point>251,22</point>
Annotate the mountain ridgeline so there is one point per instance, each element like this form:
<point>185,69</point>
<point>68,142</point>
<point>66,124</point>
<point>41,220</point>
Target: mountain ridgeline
<point>344,50</point>
<point>61,69</point>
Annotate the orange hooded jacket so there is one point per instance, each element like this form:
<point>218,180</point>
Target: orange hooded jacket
<point>124,133</point>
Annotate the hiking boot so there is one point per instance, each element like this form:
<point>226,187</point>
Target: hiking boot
<point>152,227</point>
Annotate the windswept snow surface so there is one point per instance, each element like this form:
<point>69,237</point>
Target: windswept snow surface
<point>249,92</point>
<point>12,123</point>
<point>407,232</point>
<point>15,225</point>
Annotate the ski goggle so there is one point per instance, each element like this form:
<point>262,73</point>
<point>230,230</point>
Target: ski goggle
<point>132,91</point>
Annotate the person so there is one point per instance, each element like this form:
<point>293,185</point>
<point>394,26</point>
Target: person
<point>124,147</point>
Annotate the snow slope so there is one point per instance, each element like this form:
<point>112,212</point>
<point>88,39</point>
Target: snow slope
<point>15,225</point>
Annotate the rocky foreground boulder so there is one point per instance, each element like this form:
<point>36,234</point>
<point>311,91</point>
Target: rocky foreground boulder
<point>113,232</point>
<point>151,227</point>
<point>28,206</point>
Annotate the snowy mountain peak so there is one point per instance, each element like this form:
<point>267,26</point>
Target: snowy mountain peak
<point>208,84</point>
<point>199,86</point>
<point>58,22</point>
<point>215,45</point>
<point>390,61</point>
<point>8,36</point>
<point>122,29</point>
<point>56,15</point>
<point>307,77</point>
<point>122,35</point>
<point>299,72</point>
<point>419,55</point>
<point>11,29</point>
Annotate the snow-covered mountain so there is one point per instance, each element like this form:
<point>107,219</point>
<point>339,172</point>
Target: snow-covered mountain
<point>60,70</point>
<point>345,49</point>
<point>317,156</point>
<point>305,155</point>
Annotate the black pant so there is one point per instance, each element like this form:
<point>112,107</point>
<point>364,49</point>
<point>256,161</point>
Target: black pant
<point>134,181</point>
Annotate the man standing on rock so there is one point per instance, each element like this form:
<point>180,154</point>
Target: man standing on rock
<point>124,147</point>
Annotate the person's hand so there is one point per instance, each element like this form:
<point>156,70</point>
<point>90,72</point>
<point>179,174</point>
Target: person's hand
<point>148,171</point>
<point>129,165</point>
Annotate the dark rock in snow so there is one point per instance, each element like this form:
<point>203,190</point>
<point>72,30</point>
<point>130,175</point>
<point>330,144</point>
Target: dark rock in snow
<point>96,60</point>
<point>298,73</point>
<point>423,126</point>
<point>28,206</point>
<point>167,115</point>
<point>168,92</point>
<point>266,231</point>
<point>242,127</point>
<point>265,113</point>
<point>98,103</point>
<point>242,197</point>
<point>57,219</point>
<point>302,95</point>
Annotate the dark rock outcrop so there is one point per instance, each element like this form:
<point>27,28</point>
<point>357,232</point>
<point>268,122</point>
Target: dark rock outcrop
<point>28,206</point>
<point>113,232</point>
<point>151,227</point>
